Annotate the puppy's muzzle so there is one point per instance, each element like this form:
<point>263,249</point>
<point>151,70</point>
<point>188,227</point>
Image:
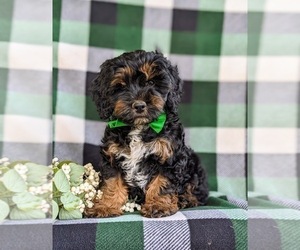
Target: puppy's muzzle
<point>139,106</point>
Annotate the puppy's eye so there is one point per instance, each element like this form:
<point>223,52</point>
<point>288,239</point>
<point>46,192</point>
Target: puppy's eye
<point>149,83</point>
<point>118,88</point>
<point>121,85</point>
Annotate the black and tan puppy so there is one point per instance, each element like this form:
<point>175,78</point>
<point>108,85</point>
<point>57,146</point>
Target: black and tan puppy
<point>143,153</point>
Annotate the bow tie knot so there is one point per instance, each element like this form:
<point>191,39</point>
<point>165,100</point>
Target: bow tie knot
<point>157,125</point>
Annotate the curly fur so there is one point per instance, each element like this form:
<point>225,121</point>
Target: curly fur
<point>143,159</point>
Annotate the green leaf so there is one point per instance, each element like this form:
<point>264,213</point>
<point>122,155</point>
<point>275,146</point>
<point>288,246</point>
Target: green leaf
<point>3,189</point>
<point>17,214</point>
<point>8,201</point>
<point>77,171</point>
<point>26,201</point>
<point>4,169</point>
<point>69,215</point>
<point>70,201</point>
<point>61,182</point>
<point>55,210</point>
<point>63,163</point>
<point>13,181</point>
<point>37,174</point>
<point>4,210</point>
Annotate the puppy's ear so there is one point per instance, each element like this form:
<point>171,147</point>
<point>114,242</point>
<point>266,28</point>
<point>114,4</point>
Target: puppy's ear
<point>99,90</point>
<point>175,93</point>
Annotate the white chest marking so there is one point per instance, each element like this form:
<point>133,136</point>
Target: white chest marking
<point>131,165</point>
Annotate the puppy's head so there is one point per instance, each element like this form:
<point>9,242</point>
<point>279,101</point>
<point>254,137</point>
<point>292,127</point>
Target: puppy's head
<point>136,87</point>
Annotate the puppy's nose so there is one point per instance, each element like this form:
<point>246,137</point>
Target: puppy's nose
<point>139,106</point>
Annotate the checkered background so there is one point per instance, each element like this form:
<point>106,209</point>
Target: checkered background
<point>273,100</point>
<point>273,125</point>
<point>25,80</point>
<point>209,40</point>
<point>208,43</point>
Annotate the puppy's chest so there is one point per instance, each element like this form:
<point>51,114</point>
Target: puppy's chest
<point>133,158</point>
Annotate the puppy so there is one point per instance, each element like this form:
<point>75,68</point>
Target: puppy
<point>143,152</point>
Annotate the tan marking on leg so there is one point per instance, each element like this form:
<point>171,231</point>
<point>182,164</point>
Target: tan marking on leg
<point>114,196</point>
<point>113,150</point>
<point>157,204</point>
<point>163,148</point>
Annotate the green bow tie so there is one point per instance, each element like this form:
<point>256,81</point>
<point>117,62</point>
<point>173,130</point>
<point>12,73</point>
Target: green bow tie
<point>157,125</point>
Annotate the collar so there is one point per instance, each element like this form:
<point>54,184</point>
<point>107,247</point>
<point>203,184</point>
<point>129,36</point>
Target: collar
<point>157,125</point>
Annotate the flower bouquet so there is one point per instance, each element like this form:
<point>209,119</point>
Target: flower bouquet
<point>62,190</point>
<point>74,189</point>
<point>25,190</point>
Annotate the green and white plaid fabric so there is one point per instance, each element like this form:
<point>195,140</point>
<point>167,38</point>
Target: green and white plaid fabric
<point>240,130</point>
<point>25,80</point>
<point>273,125</point>
<point>273,110</point>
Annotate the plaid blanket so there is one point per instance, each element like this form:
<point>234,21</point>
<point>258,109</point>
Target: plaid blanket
<point>220,225</point>
<point>238,129</point>
<point>201,228</point>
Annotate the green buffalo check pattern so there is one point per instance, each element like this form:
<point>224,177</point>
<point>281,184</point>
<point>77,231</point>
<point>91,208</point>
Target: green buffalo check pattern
<point>25,80</point>
<point>273,125</point>
<point>240,109</point>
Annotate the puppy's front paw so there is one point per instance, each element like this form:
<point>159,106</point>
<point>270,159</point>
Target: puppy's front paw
<point>102,211</point>
<point>157,211</point>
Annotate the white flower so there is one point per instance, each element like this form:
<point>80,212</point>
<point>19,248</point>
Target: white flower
<point>99,194</point>
<point>21,169</point>
<point>66,168</point>
<point>31,189</point>
<point>45,206</point>
<point>38,190</point>
<point>4,160</point>
<point>47,187</point>
<point>54,160</point>
<point>89,204</point>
